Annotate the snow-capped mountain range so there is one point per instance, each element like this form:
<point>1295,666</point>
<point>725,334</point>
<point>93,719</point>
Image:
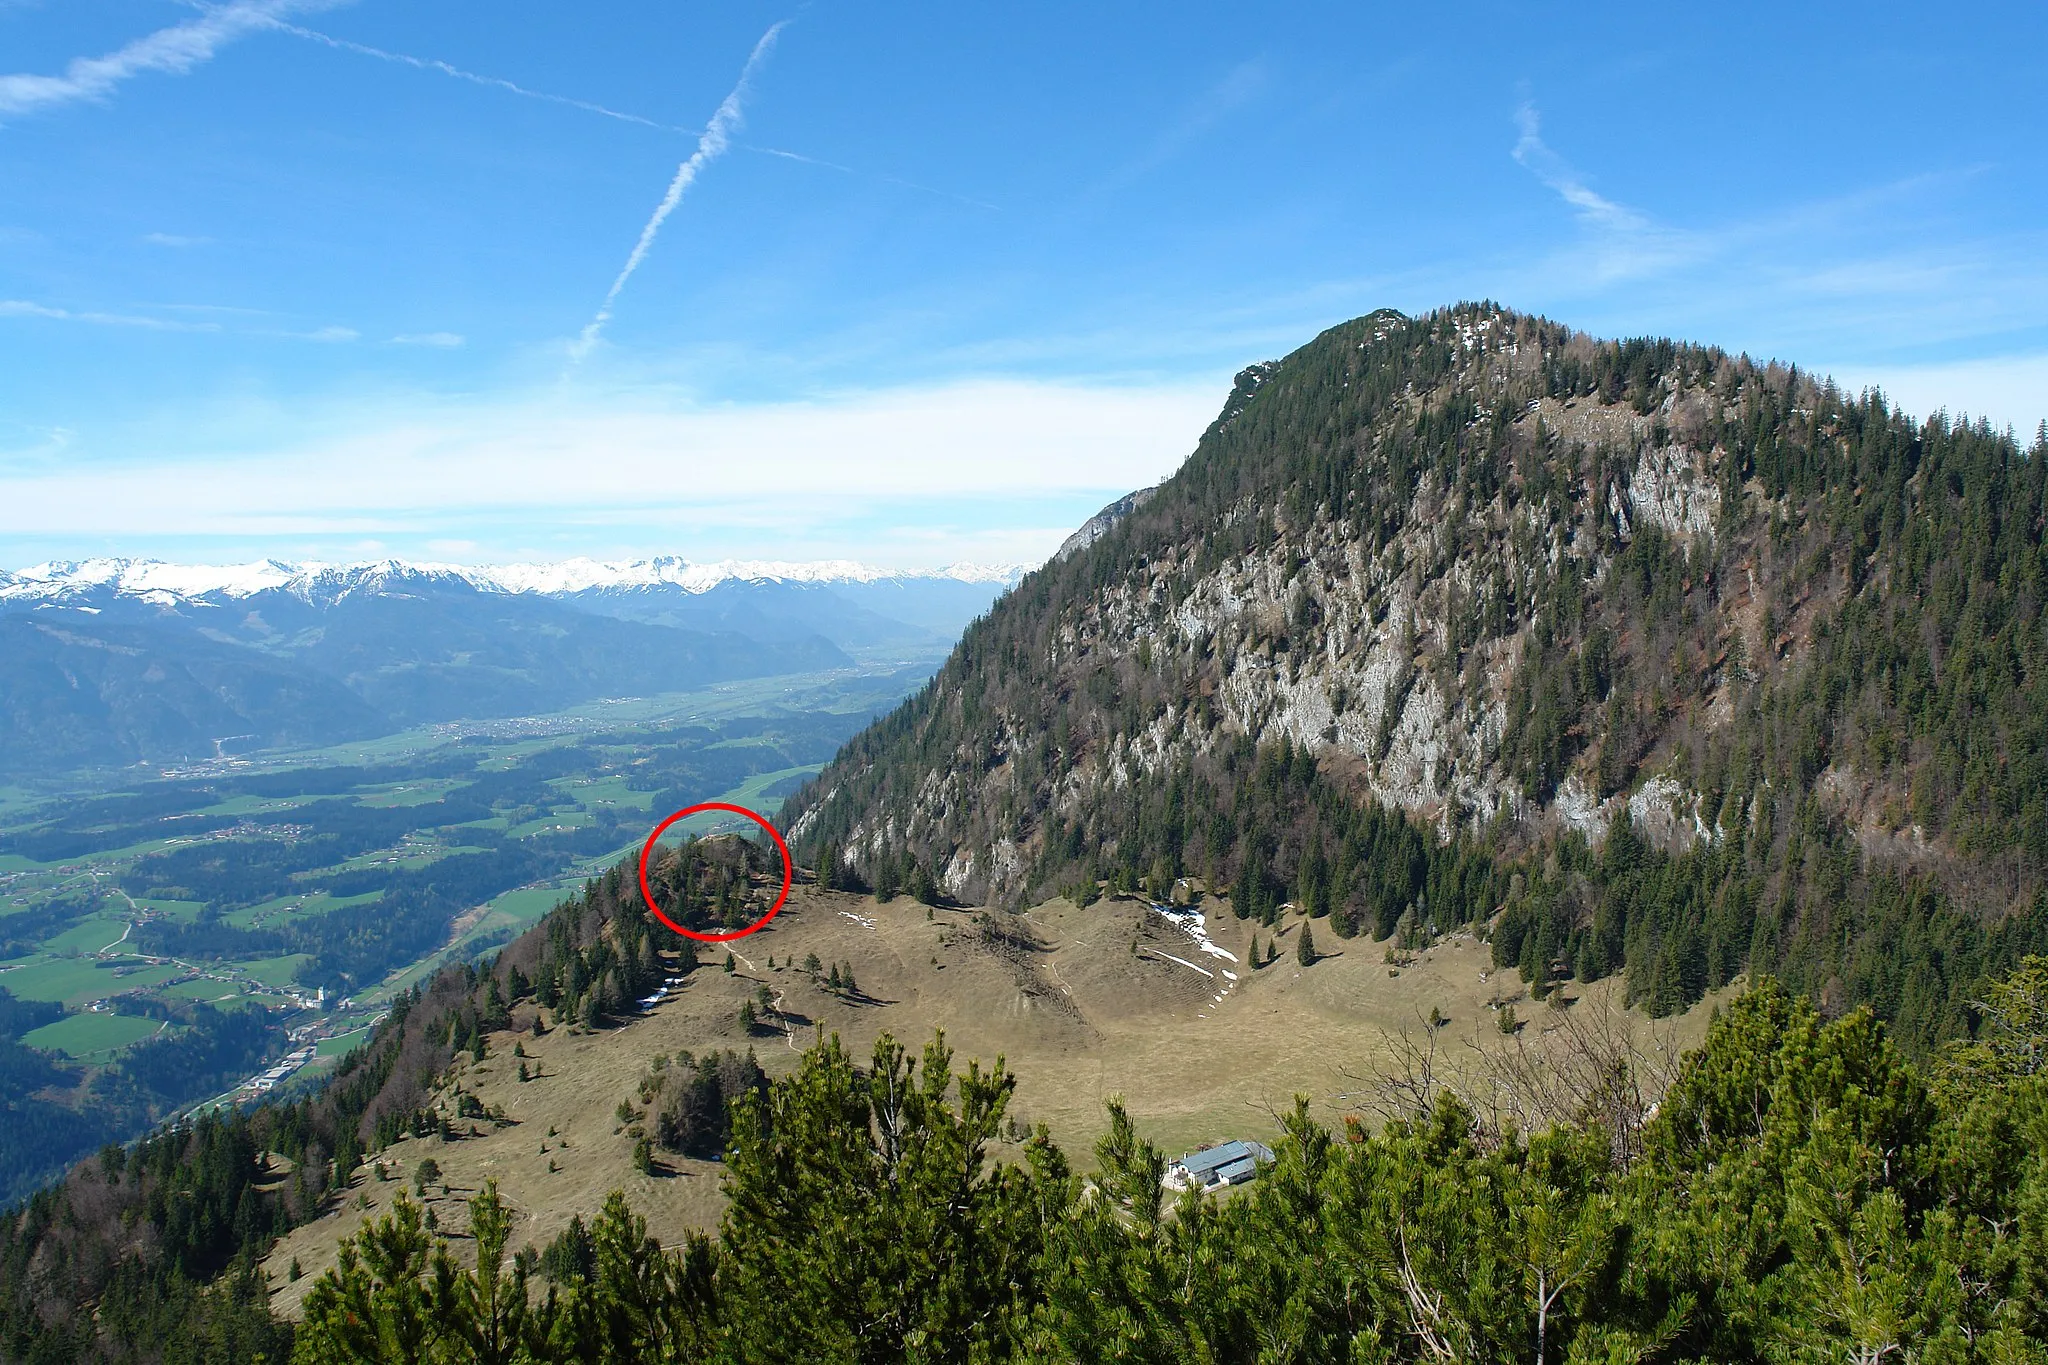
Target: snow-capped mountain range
<point>152,579</point>
<point>110,662</point>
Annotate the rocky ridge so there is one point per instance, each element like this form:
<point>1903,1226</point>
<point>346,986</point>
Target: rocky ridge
<point>1519,584</point>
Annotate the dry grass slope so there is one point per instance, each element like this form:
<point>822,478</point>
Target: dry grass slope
<point>1082,1004</point>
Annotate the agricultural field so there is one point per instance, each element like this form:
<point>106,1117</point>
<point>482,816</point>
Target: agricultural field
<point>168,941</point>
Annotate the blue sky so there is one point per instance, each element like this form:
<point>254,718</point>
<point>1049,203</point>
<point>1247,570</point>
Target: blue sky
<point>320,279</point>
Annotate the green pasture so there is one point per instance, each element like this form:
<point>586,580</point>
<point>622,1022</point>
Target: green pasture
<point>528,903</point>
<point>748,793</point>
<point>75,979</point>
<point>219,993</point>
<point>419,793</point>
<point>85,1036</point>
<point>496,822</point>
<point>340,1043</point>
<point>292,907</point>
<point>14,798</point>
<point>89,935</point>
<point>504,754</point>
<point>274,971</point>
<point>594,792</point>
<point>182,912</point>
<point>575,819</point>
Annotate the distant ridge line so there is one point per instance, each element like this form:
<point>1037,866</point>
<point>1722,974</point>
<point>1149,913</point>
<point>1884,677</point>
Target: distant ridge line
<point>311,578</point>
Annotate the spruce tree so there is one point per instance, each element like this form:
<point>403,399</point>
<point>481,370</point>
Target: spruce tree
<point>1305,946</point>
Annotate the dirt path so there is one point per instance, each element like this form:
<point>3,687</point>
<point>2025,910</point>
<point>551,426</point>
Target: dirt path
<point>788,1033</point>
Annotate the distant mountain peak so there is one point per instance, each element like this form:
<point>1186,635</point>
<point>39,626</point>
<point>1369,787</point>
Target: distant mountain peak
<point>154,579</point>
<point>584,575</point>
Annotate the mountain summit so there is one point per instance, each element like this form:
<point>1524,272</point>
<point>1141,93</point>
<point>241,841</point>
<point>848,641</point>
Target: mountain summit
<point>1683,663</point>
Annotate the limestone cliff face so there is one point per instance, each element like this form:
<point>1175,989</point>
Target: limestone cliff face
<point>1493,573</point>
<point>1099,525</point>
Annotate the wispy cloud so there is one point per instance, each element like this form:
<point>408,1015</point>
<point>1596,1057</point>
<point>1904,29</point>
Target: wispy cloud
<point>172,51</point>
<point>474,78</point>
<point>330,334</point>
<point>1854,276</point>
<point>1238,88</point>
<point>23,308</point>
<point>445,340</point>
<point>601,469</point>
<point>1553,170</point>
<point>887,179</point>
<point>716,139</point>
<point>1621,243</point>
<point>172,239</point>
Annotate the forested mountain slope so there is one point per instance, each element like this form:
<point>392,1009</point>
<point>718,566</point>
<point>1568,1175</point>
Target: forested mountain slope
<point>1686,663</point>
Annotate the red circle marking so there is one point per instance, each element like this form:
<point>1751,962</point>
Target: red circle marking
<point>647,892</point>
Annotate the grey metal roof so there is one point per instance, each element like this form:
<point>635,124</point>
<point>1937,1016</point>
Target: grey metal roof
<point>1236,1172</point>
<point>1211,1161</point>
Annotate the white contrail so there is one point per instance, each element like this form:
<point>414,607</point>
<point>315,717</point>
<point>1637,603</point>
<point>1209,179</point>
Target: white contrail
<point>590,107</point>
<point>1535,154</point>
<point>495,82</point>
<point>716,138</point>
<point>176,50</point>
